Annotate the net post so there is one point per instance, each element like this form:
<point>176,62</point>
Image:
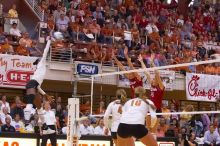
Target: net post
<point>92,88</point>
<point>73,134</point>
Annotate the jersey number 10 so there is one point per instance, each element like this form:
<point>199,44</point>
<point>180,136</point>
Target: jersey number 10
<point>136,103</point>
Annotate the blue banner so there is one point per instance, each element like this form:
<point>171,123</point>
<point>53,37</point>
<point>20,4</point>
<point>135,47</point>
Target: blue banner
<point>87,69</point>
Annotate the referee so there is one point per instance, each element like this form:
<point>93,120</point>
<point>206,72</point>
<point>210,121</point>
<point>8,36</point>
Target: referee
<point>49,129</point>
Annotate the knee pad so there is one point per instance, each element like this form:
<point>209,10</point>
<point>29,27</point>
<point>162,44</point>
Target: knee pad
<point>32,84</point>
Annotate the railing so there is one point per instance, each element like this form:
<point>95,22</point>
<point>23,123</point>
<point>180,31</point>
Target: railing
<point>33,4</point>
<point>61,55</point>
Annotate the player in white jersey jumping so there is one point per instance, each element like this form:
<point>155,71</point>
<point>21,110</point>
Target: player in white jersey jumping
<point>114,109</point>
<point>33,87</point>
<point>132,122</point>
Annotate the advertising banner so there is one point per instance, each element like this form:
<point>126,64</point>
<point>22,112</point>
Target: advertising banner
<point>167,77</point>
<point>18,141</point>
<point>63,142</point>
<point>201,87</point>
<point>16,70</point>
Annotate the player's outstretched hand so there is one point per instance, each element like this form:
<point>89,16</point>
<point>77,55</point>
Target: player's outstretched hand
<point>49,98</point>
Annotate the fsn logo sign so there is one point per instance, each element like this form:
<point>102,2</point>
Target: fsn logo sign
<point>87,69</point>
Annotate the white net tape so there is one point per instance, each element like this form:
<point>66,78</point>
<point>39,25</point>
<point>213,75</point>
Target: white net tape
<point>177,113</point>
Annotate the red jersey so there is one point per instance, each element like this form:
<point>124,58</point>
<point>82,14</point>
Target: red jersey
<point>156,96</point>
<point>134,83</point>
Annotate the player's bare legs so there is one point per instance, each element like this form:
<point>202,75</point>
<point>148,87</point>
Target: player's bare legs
<point>149,140</point>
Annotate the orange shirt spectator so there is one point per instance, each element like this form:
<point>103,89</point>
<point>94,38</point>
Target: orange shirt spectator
<point>20,50</point>
<point>94,27</point>
<point>210,69</point>
<point>6,47</point>
<point>128,3</point>
<point>155,36</point>
<point>25,41</point>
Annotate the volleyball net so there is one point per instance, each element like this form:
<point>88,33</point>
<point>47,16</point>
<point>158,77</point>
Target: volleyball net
<point>195,83</point>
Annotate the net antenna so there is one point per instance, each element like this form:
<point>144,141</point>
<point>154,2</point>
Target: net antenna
<point>93,77</point>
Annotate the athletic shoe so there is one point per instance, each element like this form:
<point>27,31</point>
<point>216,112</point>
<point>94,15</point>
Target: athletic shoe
<point>48,131</point>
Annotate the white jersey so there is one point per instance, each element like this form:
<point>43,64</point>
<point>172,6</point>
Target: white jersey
<point>135,111</point>
<point>114,110</point>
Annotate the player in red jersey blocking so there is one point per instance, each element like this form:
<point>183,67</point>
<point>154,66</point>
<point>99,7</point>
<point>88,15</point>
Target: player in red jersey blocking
<point>156,90</point>
<point>134,78</point>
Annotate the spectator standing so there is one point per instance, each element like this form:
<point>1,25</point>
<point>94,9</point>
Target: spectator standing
<point>13,12</point>
<point>211,137</point>
<point>7,126</point>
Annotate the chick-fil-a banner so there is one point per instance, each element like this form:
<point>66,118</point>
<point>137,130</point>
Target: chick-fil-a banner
<point>202,87</point>
<point>16,70</point>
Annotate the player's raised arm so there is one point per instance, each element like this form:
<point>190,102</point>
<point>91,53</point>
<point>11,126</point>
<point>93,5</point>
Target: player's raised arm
<point>130,64</point>
<point>120,65</point>
<point>140,59</point>
<point>157,73</point>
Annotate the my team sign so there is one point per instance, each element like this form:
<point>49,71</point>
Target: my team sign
<point>15,70</point>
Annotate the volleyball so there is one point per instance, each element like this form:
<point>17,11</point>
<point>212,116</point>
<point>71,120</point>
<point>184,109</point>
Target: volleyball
<point>58,35</point>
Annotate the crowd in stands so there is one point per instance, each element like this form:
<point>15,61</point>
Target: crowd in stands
<point>94,30</point>
<point>188,128</point>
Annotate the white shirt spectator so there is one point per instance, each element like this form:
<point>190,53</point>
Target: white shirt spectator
<point>100,130</point>
<point>62,23</point>
<point>180,21</point>
<point>150,27</point>
<point>3,116</point>
<point>6,104</point>
<point>86,130</point>
<point>18,125</point>
<point>15,32</point>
